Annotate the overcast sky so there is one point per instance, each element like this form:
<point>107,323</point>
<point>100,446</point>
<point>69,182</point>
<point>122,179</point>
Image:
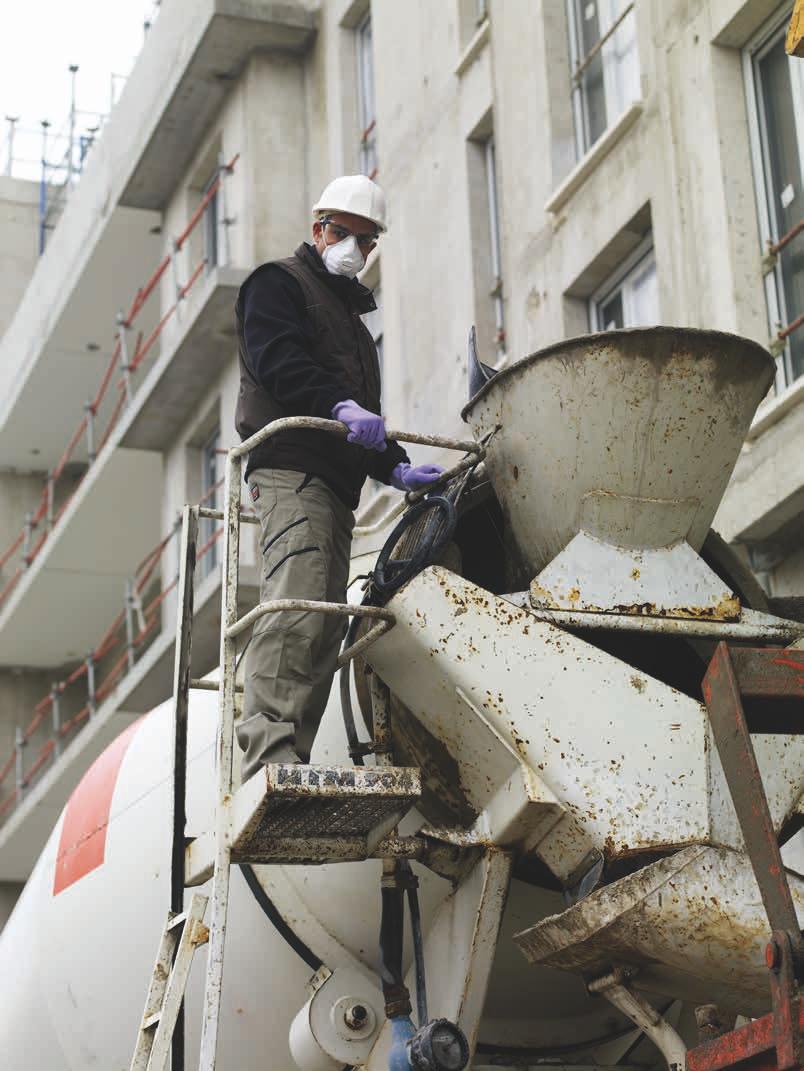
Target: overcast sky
<point>41,38</point>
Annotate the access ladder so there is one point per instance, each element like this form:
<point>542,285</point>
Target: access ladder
<point>291,814</point>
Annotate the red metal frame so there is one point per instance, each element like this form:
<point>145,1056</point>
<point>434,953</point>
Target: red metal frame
<point>767,678</point>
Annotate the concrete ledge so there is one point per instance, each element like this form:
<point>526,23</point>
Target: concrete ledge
<point>473,49</point>
<point>772,411</point>
<point>181,375</point>
<point>589,163</point>
<point>236,29</point>
<point>95,547</point>
<point>764,501</point>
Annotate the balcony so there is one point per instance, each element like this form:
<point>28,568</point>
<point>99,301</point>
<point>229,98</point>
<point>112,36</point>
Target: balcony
<point>106,242</point>
<point>59,762</point>
<point>116,507</point>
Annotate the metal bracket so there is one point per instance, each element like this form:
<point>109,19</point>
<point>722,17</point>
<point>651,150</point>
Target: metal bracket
<point>779,956</point>
<point>722,693</point>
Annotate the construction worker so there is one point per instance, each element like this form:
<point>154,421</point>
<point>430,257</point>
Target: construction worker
<point>305,351</point>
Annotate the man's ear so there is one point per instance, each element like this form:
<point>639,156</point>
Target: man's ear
<point>317,229</point>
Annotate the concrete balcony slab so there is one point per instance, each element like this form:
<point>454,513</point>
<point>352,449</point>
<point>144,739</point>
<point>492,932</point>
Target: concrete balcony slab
<point>75,587</point>
<point>222,36</point>
<point>181,375</point>
<point>60,341</point>
<point>105,245</point>
<point>113,520</point>
<point>26,830</point>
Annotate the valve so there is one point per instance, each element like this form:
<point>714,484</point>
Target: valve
<point>438,1046</point>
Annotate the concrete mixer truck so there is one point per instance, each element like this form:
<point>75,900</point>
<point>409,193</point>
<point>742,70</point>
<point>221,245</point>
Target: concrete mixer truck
<point>577,762</point>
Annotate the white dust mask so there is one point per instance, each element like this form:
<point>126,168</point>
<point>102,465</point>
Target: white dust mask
<point>344,258</point>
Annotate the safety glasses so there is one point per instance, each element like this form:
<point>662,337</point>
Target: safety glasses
<point>364,241</point>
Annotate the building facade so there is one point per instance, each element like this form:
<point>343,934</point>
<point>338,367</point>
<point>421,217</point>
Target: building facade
<point>553,167</point>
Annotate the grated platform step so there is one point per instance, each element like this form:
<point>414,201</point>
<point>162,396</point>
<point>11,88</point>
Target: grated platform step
<point>291,814</point>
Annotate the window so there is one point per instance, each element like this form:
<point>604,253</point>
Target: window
<point>776,112</point>
<point>365,92</point>
<point>605,65</point>
<point>496,291</point>
<point>210,224</point>
<point>211,472</point>
<point>629,298</point>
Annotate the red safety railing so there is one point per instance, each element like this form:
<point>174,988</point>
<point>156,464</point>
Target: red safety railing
<point>118,636</point>
<point>774,249</point>
<point>46,515</point>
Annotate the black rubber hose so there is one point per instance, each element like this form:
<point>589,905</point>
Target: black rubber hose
<point>355,747</point>
<point>282,928</point>
<point>389,575</point>
<point>418,946</point>
<point>392,922</point>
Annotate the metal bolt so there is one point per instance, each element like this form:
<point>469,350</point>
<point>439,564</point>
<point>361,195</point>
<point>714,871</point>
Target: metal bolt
<point>355,1017</point>
<point>710,1022</point>
<point>772,955</point>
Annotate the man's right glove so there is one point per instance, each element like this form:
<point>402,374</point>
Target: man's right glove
<point>406,477</point>
<point>365,428</point>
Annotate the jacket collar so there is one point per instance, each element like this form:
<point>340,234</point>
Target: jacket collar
<point>350,291</point>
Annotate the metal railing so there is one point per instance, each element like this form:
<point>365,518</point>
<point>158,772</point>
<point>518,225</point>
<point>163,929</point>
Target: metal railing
<point>231,627</point>
<point>102,412</point>
<point>129,635</point>
<point>770,265</point>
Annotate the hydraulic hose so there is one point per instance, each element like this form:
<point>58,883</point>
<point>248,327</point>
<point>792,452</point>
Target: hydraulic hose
<point>412,886</point>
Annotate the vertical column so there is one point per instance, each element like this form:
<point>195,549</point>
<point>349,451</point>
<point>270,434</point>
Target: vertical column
<point>91,699</point>
<point>19,746</point>
<point>122,327</point>
<point>89,409</point>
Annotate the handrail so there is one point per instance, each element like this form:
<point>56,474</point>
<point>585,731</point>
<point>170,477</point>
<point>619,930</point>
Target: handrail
<point>113,638</point>
<point>45,511</point>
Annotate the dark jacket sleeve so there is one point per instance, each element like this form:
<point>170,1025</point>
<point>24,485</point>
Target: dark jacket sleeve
<point>278,345</point>
<point>381,465</point>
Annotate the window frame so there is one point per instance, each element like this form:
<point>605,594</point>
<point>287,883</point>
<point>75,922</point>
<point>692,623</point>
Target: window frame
<point>629,268</point>
<point>755,50</point>
<point>211,224</point>
<point>495,242</point>
<point>366,96</point>
<point>580,111</point>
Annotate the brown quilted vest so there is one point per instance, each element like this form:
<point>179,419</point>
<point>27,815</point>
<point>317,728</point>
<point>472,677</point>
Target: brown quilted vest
<point>342,344</point>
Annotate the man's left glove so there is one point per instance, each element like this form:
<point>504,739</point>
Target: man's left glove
<point>406,477</point>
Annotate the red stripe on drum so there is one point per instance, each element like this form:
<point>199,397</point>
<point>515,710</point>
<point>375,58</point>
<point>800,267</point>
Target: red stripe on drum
<point>82,845</point>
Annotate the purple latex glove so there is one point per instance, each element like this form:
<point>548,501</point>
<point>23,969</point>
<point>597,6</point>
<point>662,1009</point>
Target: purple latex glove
<point>365,428</point>
<point>407,477</point>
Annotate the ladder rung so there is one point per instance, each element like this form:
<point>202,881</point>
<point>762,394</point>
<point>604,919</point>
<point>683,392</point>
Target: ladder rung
<point>211,686</point>
<point>217,515</point>
<point>152,1020</point>
<point>176,921</point>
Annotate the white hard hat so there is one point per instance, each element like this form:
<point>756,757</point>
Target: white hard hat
<point>355,194</point>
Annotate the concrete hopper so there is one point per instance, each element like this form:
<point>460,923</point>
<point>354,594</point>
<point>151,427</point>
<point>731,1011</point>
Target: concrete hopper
<point>611,454</point>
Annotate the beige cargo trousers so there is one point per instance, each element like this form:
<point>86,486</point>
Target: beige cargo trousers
<point>305,537</point>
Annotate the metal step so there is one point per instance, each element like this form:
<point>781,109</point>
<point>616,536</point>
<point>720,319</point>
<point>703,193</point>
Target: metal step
<point>295,814</point>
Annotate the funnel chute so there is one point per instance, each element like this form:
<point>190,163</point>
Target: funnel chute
<point>611,454</point>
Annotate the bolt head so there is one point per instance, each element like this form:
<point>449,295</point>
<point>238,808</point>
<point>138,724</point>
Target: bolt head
<point>772,955</point>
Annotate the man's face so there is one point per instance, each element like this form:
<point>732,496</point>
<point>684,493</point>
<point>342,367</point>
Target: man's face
<point>340,225</point>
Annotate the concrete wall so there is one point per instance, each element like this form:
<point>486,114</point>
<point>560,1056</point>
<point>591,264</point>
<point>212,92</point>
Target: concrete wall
<point>19,242</point>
